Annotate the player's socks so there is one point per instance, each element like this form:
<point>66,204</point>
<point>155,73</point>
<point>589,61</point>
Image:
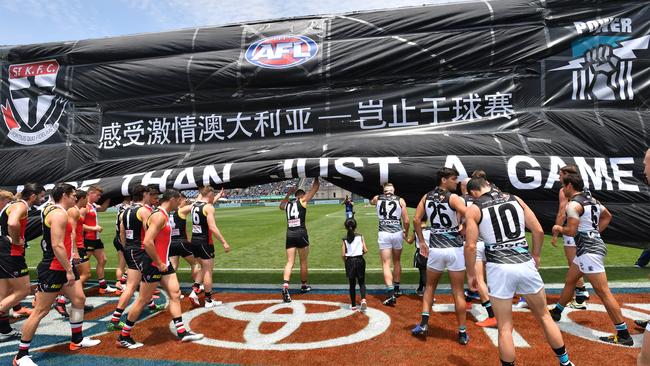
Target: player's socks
<point>77,334</point>
<point>562,356</point>
<point>102,283</point>
<point>390,291</point>
<point>621,330</point>
<point>488,307</point>
<point>580,294</point>
<point>126,330</point>
<point>180,326</point>
<point>117,315</point>
<point>208,296</point>
<point>23,348</point>
<point>506,363</point>
<point>4,323</point>
<point>425,318</point>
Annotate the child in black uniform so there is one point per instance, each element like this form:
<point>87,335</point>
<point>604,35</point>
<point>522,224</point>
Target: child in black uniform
<point>352,250</point>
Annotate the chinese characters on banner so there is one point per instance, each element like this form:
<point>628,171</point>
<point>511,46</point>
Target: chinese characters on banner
<point>370,114</point>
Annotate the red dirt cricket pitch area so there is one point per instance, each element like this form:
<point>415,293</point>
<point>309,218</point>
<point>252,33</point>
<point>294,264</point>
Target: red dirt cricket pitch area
<point>253,332</point>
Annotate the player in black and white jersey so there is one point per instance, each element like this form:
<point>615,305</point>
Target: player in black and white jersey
<point>419,261</point>
<point>120,270</point>
<point>581,293</point>
<point>500,219</point>
<point>297,238</point>
<point>586,219</point>
<point>182,247</point>
<point>204,228</point>
<point>393,227</point>
<point>445,247</point>
<point>481,290</point>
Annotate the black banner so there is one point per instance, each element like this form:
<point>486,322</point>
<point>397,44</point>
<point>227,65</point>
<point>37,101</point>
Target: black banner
<point>518,88</point>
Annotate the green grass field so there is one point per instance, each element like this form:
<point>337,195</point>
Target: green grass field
<point>257,238</point>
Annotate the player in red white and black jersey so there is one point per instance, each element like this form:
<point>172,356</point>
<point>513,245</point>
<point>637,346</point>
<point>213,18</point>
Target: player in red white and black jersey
<point>156,268</point>
<point>133,226</point>
<point>79,256</point>
<point>92,241</point>
<point>56,274</point>
<point>14,276</point>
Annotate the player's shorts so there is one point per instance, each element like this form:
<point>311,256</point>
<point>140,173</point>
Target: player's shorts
<point>50,280</point>
<point>647,327</point>
<point>118,245</point>
<point>133,258</point>
<point>569,241</point>
<point>83,255</point>
<point>297,239</point>
<point>388,240</point>
<point>453,259</point>
<point>504,280</point>
<point>92,244</point>
<point>201,249</point>
<point>349,215</point>
<point>355,267</point>
<point>13,267</point>
<point>419,261</point>
<point>151,274</point>
<point>480,251</point>
<point>590,263</point>
<point>180,248</point>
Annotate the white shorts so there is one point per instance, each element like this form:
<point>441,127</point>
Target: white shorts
<point>506,280</point>
<point>453,259</point>
<point>647,327</point>
<point>480,251</point>
<point>569,241</point>
<point>390,240</point>
<point>590,263</point>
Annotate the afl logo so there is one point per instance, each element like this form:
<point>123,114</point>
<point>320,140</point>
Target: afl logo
<point>281,52</point>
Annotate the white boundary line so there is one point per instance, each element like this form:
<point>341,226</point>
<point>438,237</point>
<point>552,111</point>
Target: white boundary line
<point>336,270</point>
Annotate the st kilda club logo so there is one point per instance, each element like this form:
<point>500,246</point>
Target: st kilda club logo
<point>30,109</point>
<point>281,52</point>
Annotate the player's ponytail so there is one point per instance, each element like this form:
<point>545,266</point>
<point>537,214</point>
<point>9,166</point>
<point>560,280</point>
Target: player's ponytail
<point>351,226</point>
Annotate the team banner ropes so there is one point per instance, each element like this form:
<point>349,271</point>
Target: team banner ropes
<point>518,88</point>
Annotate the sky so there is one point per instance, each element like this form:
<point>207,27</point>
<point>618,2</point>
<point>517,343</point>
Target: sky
<point>39,21</point>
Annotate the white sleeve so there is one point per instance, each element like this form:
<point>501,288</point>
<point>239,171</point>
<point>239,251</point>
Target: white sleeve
<point>572,210</point>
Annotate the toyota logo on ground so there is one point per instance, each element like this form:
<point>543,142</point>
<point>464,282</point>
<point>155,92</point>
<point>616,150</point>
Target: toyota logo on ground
<point>378,323</point>
<point>281,52</point>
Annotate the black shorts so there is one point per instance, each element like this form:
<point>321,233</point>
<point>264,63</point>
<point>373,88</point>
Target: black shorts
<point>83,255</point>
<point>355,267</point>
<point>50,280</point>
<point>134,257</point>
<point>419,261</point>
<point>151,274</point>
<point>92,244</point>
<point>180,248</point>
<point>298,239</point>
<point>13,267</point>
<point>203,250</point>
<point>118,246</point>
